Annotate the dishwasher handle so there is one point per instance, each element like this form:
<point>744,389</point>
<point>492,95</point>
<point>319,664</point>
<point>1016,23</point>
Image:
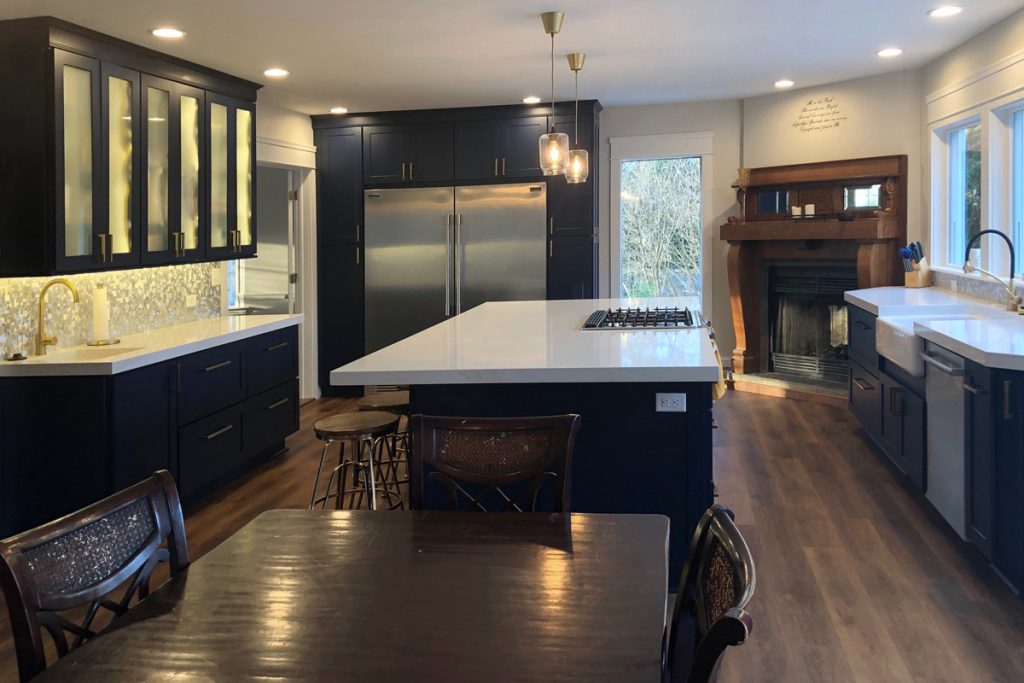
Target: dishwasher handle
<point>939,365</point>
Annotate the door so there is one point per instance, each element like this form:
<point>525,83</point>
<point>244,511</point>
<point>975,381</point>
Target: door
<point>340,308</point>
<point>519,152</point>
<point>385,155</point>
<point>231,176</point>
<point>477,153</point>
<point>121,126</point>
<point>499,244</point>
<point>429,153</point>
<point>172,163</point>
<point>408,252</point>
<point>341,186</point>
<point>571,205</point>
<point>78,143</point>
<point>571,267</point>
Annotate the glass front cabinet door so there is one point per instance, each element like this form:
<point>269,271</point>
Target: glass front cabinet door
<point>232,169</point>
<point>173,169</point>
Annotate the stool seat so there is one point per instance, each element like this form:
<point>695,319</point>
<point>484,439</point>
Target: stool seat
<point>355,425</point>
<point>386,400</point>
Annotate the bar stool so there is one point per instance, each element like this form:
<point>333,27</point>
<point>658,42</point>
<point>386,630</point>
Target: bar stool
<point>396,402</point>
<point>367,435</point>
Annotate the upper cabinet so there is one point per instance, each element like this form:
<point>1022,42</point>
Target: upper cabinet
<point>485,150</point>
<point>145,159</point>
<point>418,153</point>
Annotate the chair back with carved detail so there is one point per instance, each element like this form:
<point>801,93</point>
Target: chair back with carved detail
<point>62,576</point>
<point>492,464</point>
<point>710,609</point>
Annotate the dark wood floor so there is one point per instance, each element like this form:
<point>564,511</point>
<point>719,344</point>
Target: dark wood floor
<point>856,580</point>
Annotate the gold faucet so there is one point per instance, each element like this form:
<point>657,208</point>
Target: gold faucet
<point>42,341</point>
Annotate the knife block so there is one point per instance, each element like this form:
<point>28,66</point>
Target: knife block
<point>921,276</point>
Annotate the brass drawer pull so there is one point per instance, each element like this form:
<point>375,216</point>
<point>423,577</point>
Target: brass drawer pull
<point>973,389</point>
<point>275,347</point>
<point>860,384</point>
<point>1007,413</point>
<point>503,166</point>
<point>217,366</point>
<point>219,432</point>
<point>277,404</point>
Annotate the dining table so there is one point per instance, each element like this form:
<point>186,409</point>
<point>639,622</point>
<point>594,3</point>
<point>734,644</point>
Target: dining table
<point>402,596</point>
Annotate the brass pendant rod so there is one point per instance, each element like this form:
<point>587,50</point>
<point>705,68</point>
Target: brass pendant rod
<point>576,135</point>
<point>552,82</point>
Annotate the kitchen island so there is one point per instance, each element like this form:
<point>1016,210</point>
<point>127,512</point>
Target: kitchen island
<point>532,358</point>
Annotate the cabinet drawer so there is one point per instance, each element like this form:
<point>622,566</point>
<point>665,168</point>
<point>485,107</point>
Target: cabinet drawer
<point>866,399</point>
<point>271,359</point>
<point>269,417</point>
<point>211,380</point>
<point>208,449</point>
<point>862,338</point>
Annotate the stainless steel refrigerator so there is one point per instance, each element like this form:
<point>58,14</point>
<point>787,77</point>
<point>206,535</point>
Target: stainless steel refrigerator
<point>435,252</point>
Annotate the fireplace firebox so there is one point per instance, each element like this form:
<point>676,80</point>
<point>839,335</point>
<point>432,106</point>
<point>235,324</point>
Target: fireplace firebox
<point>807,322</point>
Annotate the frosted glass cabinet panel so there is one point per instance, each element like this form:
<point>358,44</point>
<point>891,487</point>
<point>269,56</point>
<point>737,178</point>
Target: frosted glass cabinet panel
<point>191,163</point>
<point>158,168</point>
<point>243,176</point>
<point>218,176</point>
<point>78,137</point>
<point>120,121</point>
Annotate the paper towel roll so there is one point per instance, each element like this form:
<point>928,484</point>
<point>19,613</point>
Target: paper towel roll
<point>100,314</point>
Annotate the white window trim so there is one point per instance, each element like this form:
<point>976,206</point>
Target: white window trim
<point>668,146</point>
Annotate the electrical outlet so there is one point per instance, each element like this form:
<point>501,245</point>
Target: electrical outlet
<point>190,301</point>
<point>670,403</point>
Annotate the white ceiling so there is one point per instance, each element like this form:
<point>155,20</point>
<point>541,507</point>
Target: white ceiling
<point>394,54</point>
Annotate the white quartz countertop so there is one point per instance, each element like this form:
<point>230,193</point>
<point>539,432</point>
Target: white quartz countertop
<point>979,330</point>
<point>146,348</point>
<point>539,342</point>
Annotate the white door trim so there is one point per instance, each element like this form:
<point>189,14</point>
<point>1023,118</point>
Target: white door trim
<point>665,146</point>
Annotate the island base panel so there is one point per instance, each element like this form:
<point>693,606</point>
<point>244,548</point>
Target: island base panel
<point>628,458</point>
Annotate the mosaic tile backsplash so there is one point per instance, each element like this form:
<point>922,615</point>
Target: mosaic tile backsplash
<point>140,300</point>
<point>987,289</point>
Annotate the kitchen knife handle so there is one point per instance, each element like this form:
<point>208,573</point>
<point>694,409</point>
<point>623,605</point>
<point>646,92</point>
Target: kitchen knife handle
<point>447,259</point>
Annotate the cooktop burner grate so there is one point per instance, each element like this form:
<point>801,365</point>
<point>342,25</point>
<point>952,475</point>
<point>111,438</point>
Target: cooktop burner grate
<point>642,319</point>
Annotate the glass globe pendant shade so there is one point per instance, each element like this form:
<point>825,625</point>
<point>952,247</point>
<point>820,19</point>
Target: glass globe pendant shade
<point>578,168</point>
<point>554,153</point>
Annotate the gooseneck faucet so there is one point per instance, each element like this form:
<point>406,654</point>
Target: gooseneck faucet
<point>1013,301</point>
<point>42,341</point>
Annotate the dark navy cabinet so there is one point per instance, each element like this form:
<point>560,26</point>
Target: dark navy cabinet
<point>207,417</point>
<point>408,153</point>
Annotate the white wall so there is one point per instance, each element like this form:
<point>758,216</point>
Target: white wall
<point>722,119</point>
<point>876,116</point>
<point>285,125</point>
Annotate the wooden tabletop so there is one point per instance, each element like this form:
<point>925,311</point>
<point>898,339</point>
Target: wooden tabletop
<point>400,596</point>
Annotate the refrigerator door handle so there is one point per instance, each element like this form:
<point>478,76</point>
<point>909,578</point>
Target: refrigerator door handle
<point>447,259</point>
<point>458,263</point>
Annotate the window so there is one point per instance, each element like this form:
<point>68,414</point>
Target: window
<point>660,224</point>
<point>1017,193</point>
<point>964,189</point>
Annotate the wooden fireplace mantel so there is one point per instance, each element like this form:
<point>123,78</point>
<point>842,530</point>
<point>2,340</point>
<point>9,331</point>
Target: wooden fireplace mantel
<point>870,240</point>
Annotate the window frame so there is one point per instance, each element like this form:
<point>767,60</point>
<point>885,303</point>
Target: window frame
<point>664,146</point>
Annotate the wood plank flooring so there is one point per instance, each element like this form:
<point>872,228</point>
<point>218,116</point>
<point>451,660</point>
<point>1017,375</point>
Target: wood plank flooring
<point>856,579</point>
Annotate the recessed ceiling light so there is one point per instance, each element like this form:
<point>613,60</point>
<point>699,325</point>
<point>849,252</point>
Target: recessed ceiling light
<point>339,110</point>
<point>168,32</point>
<point>276,72</point>
<point>784,83</point>
<point>945,11</point>
<point>890,52</point>
<point>532,99</point>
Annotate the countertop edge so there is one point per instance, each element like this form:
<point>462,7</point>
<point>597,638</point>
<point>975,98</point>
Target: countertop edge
<point>695,374</point>
<point>101,368</point>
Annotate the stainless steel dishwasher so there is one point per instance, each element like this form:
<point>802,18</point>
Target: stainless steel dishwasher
<point>946,466</point>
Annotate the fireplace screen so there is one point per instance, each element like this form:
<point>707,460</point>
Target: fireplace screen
<point>808,323</point>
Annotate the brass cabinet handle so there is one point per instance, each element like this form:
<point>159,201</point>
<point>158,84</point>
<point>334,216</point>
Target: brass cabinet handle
<point>893,410</point>
<point>103,246</point>
<point>860,384</point>
<point>495,166</point>
<point>357,232</point>
<point>551,225</point>
<point>551,248</point>
<point>223,430</point>
<point>217,366</point>
<point>973,389</point>
<point>275,347</point>
<point>276,404</point>
<point>357,254</point>
<point>503,166</point>
<point>411,174</point>
<point>1007,414</point>
<point>403,170</point>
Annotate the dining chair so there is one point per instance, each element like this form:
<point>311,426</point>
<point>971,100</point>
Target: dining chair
<point>83,560</point>
<point>496,464</point>
<point>710,608</point>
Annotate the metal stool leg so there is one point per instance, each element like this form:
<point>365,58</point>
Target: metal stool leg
<point>319,470</point>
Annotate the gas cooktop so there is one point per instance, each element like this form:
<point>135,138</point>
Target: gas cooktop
<point>643,319</point>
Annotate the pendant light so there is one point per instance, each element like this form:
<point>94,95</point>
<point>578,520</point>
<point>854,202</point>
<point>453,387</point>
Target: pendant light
<point>554,147</point>
<point>578,167</point>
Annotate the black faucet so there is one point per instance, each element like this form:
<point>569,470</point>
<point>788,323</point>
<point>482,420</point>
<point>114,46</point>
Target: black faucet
<point>1013,300</point>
